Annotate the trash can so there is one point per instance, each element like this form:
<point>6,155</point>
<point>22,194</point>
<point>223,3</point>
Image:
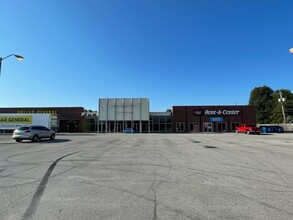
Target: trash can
<point>270,129</point>
<point>263,129</point>
<point>278,129</point>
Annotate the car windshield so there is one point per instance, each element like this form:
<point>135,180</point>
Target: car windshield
<point>23,128</point>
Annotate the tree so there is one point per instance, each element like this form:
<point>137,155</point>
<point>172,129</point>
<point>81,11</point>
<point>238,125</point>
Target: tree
<point>262,99</point>
<point>276,114</point>
<point>268,108</point>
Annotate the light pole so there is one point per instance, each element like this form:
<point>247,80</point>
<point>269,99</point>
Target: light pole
<point>17,56</point>
<point>282,100</point>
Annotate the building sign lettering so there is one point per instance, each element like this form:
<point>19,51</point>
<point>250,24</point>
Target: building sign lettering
<point>221,112</point>
<point>200,112</point>
<point>22,119</point>
<point>53,112</point>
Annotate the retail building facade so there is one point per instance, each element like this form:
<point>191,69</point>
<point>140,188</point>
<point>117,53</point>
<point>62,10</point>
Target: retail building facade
<point>117,114</point>
<point>211,118</point>
<point>69,119</point>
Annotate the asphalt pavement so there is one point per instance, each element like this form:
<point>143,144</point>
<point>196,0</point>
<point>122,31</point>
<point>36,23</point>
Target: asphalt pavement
<point>148,176</point>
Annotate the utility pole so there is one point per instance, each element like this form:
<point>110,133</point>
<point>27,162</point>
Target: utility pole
<point>282,100</point>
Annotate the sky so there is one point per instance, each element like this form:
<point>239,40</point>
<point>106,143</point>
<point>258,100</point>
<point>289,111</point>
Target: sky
<point>174,52</point>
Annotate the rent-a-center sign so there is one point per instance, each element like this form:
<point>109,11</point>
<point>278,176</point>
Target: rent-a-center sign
<point>216,112</point>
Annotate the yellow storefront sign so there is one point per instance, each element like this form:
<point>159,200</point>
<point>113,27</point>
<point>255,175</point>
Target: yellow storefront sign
<point>20,119</point>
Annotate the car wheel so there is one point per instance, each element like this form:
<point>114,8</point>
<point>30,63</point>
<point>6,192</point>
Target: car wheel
<point>18,140</point>
<point>52,137</point>
<point>247,132</point>
<point>35,138</point>
<point>237,131</point>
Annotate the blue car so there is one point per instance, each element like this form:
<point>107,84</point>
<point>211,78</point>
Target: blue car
<point>128,130</point>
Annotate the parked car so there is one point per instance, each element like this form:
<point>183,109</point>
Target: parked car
<point>33,133</point>
<point>128,130</point>
<point>248,129</point>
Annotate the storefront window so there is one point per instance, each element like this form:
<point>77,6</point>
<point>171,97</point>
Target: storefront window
<point>180,127</point>
<point>162,120</point>
<point>193,127</point>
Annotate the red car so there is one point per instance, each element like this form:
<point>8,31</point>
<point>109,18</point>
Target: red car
<point>248,129</point>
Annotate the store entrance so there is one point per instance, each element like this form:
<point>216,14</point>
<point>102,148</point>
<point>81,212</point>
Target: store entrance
<point>193,127</point>
<point>119,126</point>
<point>69,126</point>
<point>180,127</point>
<point>136,127</point>
<point>207,127</point>
<point>221,127</point>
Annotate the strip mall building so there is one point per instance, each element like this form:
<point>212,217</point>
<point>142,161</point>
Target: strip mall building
<point>211,118</point>
<point>69,118</point>
<point>117,114</point>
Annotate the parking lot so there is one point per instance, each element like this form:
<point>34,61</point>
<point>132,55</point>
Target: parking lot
<point>148,176</point>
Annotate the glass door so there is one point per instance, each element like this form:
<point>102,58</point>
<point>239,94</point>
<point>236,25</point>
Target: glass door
<point>119,126</point>
<point>221,127</point>
<point>180,127</point>
<point>193,127</point>
<point>207,127</point>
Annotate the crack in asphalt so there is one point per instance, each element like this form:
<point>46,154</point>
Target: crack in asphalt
<point>30,211</point>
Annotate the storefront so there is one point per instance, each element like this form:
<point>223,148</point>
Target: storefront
<point>68,119</point>
<point>160,122</point>
<point>189,119</point>
<point>116,115</point>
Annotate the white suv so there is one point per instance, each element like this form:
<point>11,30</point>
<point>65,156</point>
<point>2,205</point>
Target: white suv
<point>33,133</point>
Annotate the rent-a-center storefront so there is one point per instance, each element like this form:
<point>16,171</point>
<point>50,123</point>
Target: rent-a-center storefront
<point>188,119</point>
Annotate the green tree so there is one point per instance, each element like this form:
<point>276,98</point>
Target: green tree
<point>288,105</point>
<point>276,114</point>
<point>268,107</point>
<point>262,99</point>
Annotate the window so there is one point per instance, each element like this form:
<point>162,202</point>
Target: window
<point>162,120</point>
<point>221,126</point>
<point>23,128</point>
<point>193,127</point>
<point>37,128</point>
<point>234,125</point>
<point>180,127</point>
<point>207,127</point>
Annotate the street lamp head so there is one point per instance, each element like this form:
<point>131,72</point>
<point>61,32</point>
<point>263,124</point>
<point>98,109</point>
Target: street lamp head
<point>18,57</point>
<point>291,50</point>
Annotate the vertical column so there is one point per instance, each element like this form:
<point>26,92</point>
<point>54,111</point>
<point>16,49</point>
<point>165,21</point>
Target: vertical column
<point>123,112</point>
<point>115,118</point>
<point>107,109</point>
<point>132,114</point>
<point>99,109</point>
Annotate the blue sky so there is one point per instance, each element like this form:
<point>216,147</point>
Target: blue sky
<point>175,52</point>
